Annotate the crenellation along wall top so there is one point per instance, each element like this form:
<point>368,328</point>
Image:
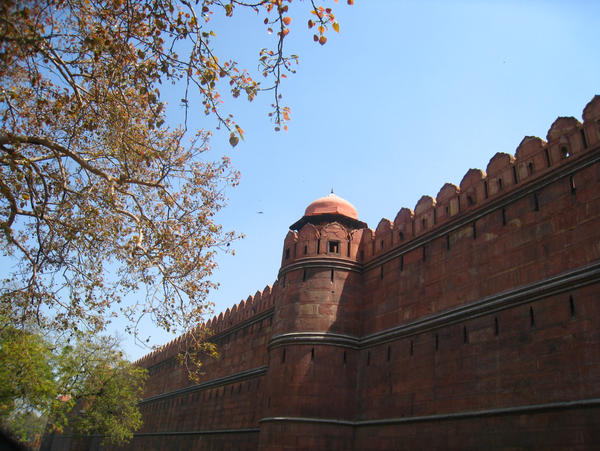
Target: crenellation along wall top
<point>533,157</point>
<point>448,191</point>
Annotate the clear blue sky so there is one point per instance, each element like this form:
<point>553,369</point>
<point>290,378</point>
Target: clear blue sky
<point>408,96</point>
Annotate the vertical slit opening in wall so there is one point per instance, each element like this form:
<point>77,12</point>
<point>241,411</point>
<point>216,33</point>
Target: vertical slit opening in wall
<point>424,253</point>
<point>531,317</point>
<point>516,180</point>
<point>368,358</point>
<point>348,251</point>
<point>381,272</point>
<point>496,326</point>
<point>344,358</point>
<point>283,356</point>
<point>424,222</point>
<point>389,353</point>
<point>437,342</point>
<point>402,262</point>
<point>287,253</point>
<point>458,202</point>
<point>572,184</point>
<point>474,227</point>
<point>504,216</point>
<point>536,202</point>
<point>465,335</point>
<point>412,347</point>
<point>318,246</point>
<point>305,250</point>
<point>334,247</point>
<point>572,306</point>
<point>470,200</point>
<point>485,189</point>
<point>548,162</point>
<point>412,225</point>
<point>283,281</point>
<point>401,235</point>
<point>435,215</point>
<point>304,275</point>
<point>564,152</point>
<point>530,168</point>
<point>382,244</point>
<point>332,275</point>
<point>500,184</point>
<point>583,138</point>
<point>312,354</point>
<point>295,249</point>
<point>448,242</point>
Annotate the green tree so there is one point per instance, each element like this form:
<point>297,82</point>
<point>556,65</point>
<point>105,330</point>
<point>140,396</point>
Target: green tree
<point>87,387</point>
<point>27,384</point>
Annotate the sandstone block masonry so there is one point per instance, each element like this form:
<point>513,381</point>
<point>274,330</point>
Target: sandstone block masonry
<point>470,322</point>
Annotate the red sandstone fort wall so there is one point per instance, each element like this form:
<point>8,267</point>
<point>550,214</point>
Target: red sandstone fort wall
<point>471,322</point>
<point>477,310</point>
<point>241,335</point>
<point>229,393</point>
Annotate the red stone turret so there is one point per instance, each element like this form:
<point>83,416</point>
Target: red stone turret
<point>316,319</point>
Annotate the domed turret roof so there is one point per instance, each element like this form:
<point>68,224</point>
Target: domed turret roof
<point>333,205</point>
<point>329,209</point>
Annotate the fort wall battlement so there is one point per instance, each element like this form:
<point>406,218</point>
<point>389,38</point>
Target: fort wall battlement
<point>238,313</point>
<point>250,320</point>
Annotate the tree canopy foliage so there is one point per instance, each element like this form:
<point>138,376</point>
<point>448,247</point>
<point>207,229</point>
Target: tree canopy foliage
<point>86,386</point>
<point>99,195</point>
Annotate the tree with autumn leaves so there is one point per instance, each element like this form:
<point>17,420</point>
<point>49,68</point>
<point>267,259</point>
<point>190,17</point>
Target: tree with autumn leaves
<point>100,196</point>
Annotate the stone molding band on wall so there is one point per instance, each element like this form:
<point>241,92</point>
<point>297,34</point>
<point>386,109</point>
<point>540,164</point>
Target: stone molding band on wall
<point>319,338</point>
<point>464,219</point>
<point>329,263</point>
<point>556,284</point>
<point>175,433</point>
<point>526,409</point>
<point>534,408</point>
<point>233,378</point>
<point>205,432</point>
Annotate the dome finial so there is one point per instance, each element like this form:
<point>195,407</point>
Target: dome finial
<point>332,190</point>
